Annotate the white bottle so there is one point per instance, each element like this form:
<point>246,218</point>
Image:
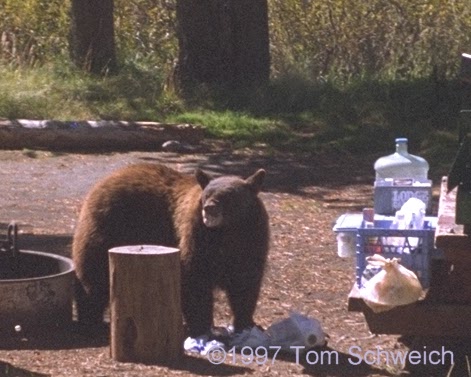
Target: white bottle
<point>401,165</point>
<point>399,221</point>
<point>397,243</point>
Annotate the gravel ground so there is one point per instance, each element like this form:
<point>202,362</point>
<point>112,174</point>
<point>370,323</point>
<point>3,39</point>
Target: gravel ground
<point>304,195</point>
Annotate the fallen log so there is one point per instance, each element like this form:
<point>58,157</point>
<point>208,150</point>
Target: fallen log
<point>94,135</point>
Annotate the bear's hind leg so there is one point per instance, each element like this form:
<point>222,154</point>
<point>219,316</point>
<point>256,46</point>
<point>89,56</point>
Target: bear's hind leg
<point>90,305</point>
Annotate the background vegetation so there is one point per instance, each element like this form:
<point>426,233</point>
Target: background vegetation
<point>345,75</point>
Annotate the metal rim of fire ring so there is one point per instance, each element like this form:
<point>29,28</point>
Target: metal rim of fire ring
<point>70,267</point>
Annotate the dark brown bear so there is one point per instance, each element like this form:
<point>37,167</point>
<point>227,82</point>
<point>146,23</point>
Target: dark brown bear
<point>220,226</point>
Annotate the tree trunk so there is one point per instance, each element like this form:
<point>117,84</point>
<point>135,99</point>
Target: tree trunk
<point>145,304</point>
<point>92,46</point>
<point>222,43</point>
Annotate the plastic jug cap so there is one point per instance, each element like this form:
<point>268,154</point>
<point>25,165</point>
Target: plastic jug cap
<point>401,140</point>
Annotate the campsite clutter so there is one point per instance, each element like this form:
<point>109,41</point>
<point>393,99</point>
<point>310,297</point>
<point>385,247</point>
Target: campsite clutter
<point>394,241</point>
<point>410,266</point>
<point>297,330</point>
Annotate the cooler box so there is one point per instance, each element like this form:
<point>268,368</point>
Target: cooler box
<point>391,194</point>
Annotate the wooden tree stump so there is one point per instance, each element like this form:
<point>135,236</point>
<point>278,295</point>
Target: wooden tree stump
<point>146,318</point>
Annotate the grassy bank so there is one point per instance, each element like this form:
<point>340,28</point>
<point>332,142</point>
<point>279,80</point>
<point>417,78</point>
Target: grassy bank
<point>290,113</point>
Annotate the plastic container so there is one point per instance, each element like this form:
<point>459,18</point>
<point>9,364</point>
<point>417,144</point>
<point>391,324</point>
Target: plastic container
<point>402,165</point>
<point>415,249</point>
<point>345,229</point>
<point>399,177</point>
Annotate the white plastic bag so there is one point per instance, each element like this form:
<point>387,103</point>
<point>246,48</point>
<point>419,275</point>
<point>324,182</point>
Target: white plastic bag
<point>393,286</point>
<point>414,213</point>
<point>414,217</point>
<point>296,330</point>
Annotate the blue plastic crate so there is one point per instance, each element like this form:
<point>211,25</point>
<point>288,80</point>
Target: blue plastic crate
<point>413,247</point>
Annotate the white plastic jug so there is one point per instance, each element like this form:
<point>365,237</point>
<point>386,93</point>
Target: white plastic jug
<point>401,165</point>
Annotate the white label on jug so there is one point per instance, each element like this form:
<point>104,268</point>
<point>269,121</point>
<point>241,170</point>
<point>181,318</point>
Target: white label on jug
<point>399,197</point>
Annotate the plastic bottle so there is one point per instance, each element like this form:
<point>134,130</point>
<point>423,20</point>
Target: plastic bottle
<point>401,165</point>
<point>399,221</point>
<point>395,244</point>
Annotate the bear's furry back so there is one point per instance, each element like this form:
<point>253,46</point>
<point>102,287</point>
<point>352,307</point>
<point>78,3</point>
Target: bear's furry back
<point>153,204</point>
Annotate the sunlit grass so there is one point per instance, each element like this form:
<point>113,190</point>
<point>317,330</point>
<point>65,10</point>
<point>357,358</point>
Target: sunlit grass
<point>293,115</point>
<point>228,124</point>
<point>60,92</point>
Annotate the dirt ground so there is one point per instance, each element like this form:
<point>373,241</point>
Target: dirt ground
<point>304,195</point>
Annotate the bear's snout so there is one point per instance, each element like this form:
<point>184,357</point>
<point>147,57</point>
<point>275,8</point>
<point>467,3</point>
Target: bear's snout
<point>212,215</point>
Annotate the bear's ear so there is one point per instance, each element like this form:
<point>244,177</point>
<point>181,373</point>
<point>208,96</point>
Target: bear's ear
<point>202,178</point>
<point>255,181</point>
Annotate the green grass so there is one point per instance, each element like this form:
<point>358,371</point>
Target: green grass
<point>241,127</point>
<point>58,91</point>
<point>291,114</point>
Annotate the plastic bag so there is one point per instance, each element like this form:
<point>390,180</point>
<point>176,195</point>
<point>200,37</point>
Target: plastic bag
<point>414,213</point>
<point>296,330</point>
<point>251,337</point>
<point>393,286</point>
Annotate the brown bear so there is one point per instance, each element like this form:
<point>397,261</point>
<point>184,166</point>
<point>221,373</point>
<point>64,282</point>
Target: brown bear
<point>220,226</point>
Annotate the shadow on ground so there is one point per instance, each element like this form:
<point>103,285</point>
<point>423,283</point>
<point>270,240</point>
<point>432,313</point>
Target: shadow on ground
<point>7,369</point>
<point>286,173</point>
<point>55,338</point>
<point>48,243</point>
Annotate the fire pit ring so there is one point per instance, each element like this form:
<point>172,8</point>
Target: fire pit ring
<point>35,290</point>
